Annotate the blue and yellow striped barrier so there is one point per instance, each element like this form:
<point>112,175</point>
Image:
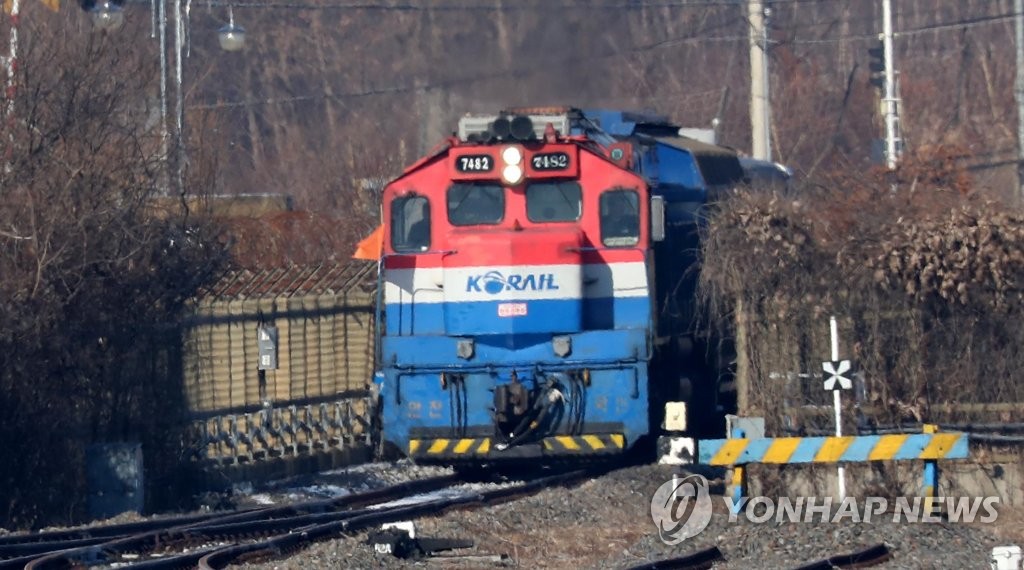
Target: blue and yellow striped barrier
<point>779,450</point>
<point>929,447</point>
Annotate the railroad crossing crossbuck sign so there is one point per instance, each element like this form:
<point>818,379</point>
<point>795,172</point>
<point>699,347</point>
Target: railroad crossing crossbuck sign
<point>838,371</point>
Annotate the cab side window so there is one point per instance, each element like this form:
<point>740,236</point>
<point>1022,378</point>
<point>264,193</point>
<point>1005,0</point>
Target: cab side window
<point>620,218</point>
<point>410,224</point>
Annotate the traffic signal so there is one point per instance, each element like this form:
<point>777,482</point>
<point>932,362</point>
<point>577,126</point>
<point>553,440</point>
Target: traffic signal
<point>877,65</point>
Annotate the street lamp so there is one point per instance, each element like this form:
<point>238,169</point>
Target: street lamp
<point>107,16</point>
<point>232,37</point>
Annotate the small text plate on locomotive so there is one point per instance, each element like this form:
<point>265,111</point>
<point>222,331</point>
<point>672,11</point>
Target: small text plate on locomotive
<point>512,310</point>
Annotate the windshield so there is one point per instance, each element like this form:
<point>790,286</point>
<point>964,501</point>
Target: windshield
<point>553,201</point>
<point>471,204</point>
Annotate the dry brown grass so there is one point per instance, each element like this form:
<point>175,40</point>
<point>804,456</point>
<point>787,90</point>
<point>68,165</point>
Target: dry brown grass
<point>1009,525</point>
<point>927,285</point>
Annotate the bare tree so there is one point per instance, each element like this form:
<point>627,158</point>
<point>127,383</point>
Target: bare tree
<point>93,272</point>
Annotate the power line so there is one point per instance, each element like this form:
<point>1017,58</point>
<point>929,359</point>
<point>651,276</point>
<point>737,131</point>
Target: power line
<point>517,7</point>
<point>968,23</point>
<point>528,70</point>
<point>959,25</point>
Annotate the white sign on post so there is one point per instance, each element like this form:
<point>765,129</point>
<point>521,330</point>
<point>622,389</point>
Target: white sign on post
<point>835,373</point>
<point>837,369</point>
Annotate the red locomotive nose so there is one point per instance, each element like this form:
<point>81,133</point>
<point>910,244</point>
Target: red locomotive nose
<point>509,280</point>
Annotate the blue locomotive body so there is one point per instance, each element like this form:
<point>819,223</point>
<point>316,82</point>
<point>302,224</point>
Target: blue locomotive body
<point>538,285</point>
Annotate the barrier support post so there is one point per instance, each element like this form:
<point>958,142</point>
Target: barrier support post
<point>739,488</point>
<point>931,476</point>
<point>739,477</point>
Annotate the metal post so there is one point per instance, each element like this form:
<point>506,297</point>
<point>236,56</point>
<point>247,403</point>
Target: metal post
<point>179,152</point>
<point>766,78</point>
<point>12,57</point>
<point>12,66</point>
<point>739,488</point>
<point>890,87</point>
<point>739,476</point>
<point>838,404</point>
<point>760,146</point>
<point>165,135</point>
<point>1018,10</point>
<point>931,478</point>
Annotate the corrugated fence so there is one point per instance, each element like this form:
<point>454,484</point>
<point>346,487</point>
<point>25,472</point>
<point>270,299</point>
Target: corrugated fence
<point>318,395</point>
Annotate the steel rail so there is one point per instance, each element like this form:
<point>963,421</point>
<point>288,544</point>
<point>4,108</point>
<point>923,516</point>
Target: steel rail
<point>277,545</point>
<point>869,556</point>
<point>700,560</point>
<point>97,532</point>
<point>64,555</point>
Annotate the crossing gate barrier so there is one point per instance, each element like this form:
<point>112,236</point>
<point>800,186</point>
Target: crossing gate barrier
<point>929,447</point>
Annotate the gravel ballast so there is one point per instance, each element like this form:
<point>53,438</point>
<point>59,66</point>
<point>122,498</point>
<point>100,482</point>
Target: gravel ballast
<point>606,523</point>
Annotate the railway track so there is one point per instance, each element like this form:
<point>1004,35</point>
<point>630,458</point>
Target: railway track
<point>278,545</point>
<point>47,549</point>
<point>706,558</point>
<point>216,541</point>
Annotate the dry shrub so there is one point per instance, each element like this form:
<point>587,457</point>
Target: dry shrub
<point>925,283</point>
<point>91,281</point>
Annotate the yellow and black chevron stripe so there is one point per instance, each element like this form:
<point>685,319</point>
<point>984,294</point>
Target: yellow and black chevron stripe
<point>449,447</point>
<point>554,445</point>
<point>588,444</point>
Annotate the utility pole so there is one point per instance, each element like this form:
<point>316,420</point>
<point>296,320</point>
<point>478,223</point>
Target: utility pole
<point>760,111</point>
<point>160,13</point>
<point>760,121</point>
<point>1018,10</point>
<point>891,101</point>
<point>11,63</point>
<point>179,111</point>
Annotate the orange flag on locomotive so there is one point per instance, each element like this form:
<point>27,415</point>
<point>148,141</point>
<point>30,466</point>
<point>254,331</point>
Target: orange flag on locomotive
<point>371,247</point>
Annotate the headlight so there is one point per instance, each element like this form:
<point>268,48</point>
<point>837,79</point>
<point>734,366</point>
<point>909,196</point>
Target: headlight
<point>512,174</point>
<point>512,155</point>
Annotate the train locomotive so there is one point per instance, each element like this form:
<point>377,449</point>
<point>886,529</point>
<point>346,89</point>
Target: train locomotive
<point>538,289</point>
